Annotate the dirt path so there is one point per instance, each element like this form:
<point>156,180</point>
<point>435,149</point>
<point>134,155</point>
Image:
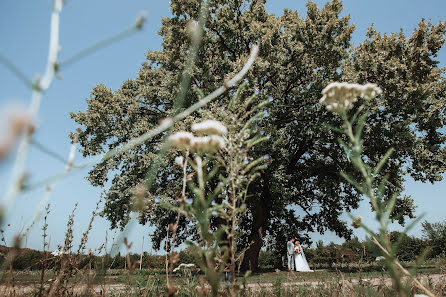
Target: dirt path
<point>369,281</point>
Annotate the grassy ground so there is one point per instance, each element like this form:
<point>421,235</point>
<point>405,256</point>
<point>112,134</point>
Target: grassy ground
<point>266,283</point>
<point>266,276</point>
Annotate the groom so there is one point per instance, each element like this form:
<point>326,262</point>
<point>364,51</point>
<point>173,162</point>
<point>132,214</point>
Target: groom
<point>290,254</point>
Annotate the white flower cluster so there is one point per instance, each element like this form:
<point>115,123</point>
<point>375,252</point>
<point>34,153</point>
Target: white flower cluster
<point>209,127</point>
<point>211,142</point>
<point>179,161</point>
<point>338,96</point>
<point>57,253</point>
<point>184,266</point>
<point>181,140</point>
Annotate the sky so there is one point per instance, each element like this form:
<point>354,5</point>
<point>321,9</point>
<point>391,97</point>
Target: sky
<point>24,36</point>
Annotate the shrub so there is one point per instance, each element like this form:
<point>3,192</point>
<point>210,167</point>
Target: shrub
<point>270,259</point>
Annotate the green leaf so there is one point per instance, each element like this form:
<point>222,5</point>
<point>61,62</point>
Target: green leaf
<point>333,128</point>
<point>234,100</point>
<point>383,161</point>
<point>354,183</point>
<point>390,205</point>
<point>360,126</point>
<point>213,172</point>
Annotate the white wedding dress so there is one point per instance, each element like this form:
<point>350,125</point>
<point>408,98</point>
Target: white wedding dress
<point>300,262</point>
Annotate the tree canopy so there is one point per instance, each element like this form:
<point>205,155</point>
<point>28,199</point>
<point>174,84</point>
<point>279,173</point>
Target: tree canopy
<point>301,191</point>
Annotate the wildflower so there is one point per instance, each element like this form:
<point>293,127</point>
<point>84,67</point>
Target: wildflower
<point>57,253</point>
<point>157,199</point>
<point>179,161</point>
<point>370,91</point>
<point>340,96</point>
<point>180,139</point>
<point>256,92</point>
<point>189,200</point>
<point>207,144</point>
<point>270,99</point>
<point>356,223</point>
<point>266,157</point>
<point>210,127</point>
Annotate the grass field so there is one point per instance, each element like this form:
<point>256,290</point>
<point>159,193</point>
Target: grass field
<point>120,282</point>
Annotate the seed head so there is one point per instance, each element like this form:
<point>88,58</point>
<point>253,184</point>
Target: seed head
<point>180,140</point>
<point>356,223</point>
<point>179,161</point>
<point>341,96</point>
<point>207,144</point>
<point>210,127</point>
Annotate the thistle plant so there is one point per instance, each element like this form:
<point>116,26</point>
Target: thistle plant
<point>339,98</point>
<point>218,167</point>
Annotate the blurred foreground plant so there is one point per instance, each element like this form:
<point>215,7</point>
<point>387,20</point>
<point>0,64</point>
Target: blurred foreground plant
<point>339,98</point>
<point>218,166</point>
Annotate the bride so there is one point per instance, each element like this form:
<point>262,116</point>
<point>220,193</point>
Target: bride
<point>300,262</point>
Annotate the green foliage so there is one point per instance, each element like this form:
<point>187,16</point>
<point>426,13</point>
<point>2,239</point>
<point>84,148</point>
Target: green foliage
<point>435,234</point>
<point>270,259</point>
<point>409,247</point>
<point>301,190</point>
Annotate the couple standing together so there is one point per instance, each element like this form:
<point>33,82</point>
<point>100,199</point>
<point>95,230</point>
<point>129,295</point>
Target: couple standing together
<point>296,257</point>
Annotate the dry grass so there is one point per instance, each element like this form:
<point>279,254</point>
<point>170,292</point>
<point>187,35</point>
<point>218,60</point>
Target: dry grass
<point>143,283</point>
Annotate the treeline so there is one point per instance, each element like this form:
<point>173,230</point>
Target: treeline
<point>410,248</point>
<point>431,245</point>
<point>29,259</point>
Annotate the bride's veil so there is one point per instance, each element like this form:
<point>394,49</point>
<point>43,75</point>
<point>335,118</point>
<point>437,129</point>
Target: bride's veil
<point>303,256</point>
<point>305,259</point>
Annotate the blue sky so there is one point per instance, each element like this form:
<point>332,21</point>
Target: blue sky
<point>24,35</point>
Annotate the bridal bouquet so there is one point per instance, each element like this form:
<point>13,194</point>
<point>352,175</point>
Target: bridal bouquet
<point>297,250</point>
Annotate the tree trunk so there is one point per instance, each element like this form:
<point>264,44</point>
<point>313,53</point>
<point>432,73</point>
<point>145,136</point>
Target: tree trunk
<point>261,215</point>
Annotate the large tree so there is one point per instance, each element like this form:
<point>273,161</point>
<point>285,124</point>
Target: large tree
<point>301,191</point>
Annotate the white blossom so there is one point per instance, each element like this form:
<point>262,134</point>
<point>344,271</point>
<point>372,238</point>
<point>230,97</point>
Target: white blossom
<point>207,144</point>
<point>370,91</point>
<point>210,127</point>
<point>180,139</point>
<point>179,161</point>
<point>57,253</point>
<point>341,95</point>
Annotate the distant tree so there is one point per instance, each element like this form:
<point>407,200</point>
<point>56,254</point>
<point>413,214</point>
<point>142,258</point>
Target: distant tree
<point>301,191</point>
<point>409,246</point>
<point>435,234</point>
